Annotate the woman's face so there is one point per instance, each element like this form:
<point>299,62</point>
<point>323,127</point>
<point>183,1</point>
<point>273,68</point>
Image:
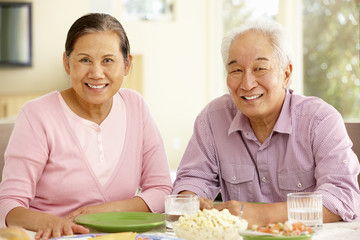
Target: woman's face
<point>255,81</point>
<point>96,67</point>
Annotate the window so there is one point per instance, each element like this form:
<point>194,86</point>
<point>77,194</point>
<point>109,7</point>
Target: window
<point>331,54</point>
<point>236,12</point>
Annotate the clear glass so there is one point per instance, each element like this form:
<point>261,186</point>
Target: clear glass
<point>177,205</point>
<point>305,207</point>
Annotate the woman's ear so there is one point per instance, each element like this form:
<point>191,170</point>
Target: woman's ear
<point>128,64</point>
<point>66,63</point>
<point>287,75</point>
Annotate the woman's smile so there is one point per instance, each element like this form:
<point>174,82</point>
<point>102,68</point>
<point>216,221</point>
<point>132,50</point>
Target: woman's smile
<point>96,86</point>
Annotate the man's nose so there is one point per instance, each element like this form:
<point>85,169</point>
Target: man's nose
<point>248,81</point>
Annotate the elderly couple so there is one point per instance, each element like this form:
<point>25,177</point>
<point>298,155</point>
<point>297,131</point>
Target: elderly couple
<point>89,148</point>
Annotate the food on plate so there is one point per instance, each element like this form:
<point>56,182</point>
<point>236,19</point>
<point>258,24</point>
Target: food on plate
<point>285,229</point>
<point>13,233</point>
<point>209,224</point>
<point>117,236</point>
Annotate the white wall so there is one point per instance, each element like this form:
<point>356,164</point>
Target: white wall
<point>182,64</point>
<point>176,70</point>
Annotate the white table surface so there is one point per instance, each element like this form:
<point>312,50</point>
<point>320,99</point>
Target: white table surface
<point>330,231</point>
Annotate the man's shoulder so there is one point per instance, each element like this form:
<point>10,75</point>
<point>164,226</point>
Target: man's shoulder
<point>220,104</point>
<point>311,106</point>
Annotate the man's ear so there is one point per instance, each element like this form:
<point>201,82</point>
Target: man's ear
<point>128,64</point>
<point>66,63</point>
<point>287,75</point>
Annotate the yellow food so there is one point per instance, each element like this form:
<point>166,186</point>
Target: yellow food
<point>210,225</point>
<point>117,236</point>
<point>13,233</point>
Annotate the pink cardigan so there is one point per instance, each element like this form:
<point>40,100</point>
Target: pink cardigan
<point>46,170</point>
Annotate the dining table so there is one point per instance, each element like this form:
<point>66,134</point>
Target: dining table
<point>330,231</point>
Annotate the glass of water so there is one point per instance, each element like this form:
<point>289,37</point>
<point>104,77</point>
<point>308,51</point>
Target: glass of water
<point>305,207</point>
<point>177,205</point>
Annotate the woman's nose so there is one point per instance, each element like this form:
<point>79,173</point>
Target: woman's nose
<point>96,71</point>
<point>248,81</point>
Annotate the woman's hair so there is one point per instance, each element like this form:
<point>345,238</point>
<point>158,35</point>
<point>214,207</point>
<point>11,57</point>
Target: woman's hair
<point>276,33</point>
<point>96,22</point>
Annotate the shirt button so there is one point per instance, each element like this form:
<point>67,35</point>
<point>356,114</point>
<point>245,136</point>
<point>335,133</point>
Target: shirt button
<point>345,161</point>
<point>263,179</point>
<point>234,178</point>
<point>299,185</point>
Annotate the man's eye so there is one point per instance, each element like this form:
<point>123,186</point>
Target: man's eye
<point>259,69</point>
<point>236,70</point>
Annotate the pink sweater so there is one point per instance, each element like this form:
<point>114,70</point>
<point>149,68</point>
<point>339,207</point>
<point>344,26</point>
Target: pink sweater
<point>46,170</point>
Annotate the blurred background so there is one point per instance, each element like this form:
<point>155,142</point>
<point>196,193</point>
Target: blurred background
<point>176,46</point>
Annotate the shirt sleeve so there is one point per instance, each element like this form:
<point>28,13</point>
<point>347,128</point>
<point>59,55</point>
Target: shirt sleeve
<point>198,171</point>
<point>337,167</point>
<point>25,158</point>
<point>155,176</point>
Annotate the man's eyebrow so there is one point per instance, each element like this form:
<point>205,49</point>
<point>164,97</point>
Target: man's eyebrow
<point>262,59</point>
<point>257,59</point>
<point>231,62</point>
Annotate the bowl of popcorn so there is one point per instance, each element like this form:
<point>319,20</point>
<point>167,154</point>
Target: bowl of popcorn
<point>210,224</point>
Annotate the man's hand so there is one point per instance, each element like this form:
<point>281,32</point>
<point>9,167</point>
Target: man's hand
<point>204,202</point>
<point>255,213</point>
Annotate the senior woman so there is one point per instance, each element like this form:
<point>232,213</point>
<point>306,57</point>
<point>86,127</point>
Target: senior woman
<point>262,141</point>
<point>88,148</point>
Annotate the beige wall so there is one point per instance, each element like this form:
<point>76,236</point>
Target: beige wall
<point>181,60</point>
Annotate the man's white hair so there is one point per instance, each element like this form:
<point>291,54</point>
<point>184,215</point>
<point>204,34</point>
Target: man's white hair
<point>276,33</point>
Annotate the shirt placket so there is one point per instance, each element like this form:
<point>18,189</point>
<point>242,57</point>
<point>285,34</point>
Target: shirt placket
<point>262,164</point>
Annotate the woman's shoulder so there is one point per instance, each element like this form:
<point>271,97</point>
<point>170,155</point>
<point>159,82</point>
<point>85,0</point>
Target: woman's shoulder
<point>134,102</point>
<point>46,101</point>
<point>42,107</point>
<point>130,95</point>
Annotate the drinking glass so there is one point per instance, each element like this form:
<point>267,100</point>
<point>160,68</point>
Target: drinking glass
<point>305,207</point>
<point>178,205</point>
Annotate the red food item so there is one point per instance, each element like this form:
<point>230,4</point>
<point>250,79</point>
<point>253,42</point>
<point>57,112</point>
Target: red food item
<point>285,229</point>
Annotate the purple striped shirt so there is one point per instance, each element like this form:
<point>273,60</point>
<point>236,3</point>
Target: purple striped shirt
<point>308,150</point>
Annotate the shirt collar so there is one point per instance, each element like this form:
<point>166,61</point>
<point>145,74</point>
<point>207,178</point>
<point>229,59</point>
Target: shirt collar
<point>239,123</point>
<point>283,124</point>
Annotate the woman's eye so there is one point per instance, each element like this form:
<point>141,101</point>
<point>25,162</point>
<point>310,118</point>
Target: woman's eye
<point>85,60</point>
<point>108,60</point>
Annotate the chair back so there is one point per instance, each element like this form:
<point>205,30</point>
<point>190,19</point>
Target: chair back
<point>5,132</point>
<point>353,130</point>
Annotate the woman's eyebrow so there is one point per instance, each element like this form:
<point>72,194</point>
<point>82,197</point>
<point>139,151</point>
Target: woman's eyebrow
<point>109,55</point>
